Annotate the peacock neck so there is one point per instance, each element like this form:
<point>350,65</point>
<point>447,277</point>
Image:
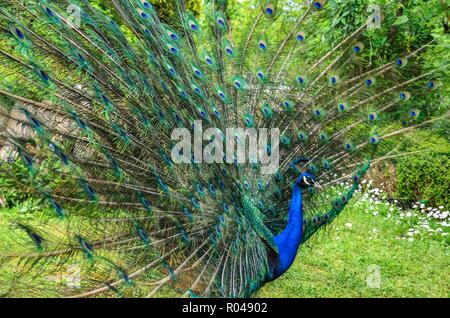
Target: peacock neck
<point>288,241</point>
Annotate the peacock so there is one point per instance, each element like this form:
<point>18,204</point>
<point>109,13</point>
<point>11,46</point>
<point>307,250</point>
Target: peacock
<point>89,102</point>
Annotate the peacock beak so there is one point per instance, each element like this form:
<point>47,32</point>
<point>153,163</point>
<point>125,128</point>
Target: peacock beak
<point>317,185</point>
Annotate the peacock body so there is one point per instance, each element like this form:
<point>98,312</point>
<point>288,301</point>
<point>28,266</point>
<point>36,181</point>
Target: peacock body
<point>89,102</point>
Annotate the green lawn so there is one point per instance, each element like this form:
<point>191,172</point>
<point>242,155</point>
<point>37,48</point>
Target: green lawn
<point>338,263</point>
<point>340,260</point>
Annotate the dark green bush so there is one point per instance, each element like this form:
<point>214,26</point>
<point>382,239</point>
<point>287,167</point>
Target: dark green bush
<point>425,177</point>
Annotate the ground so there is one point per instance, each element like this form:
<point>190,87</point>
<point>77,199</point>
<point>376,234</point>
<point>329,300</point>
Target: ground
<point>408,248</point>
<point>374,249</point>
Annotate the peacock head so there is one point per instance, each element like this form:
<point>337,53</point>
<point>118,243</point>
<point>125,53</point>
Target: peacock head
<point>307,180</point>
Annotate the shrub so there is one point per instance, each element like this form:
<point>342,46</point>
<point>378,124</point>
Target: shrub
<point>425,177</point>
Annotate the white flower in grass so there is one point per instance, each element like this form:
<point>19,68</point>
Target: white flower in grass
<point>349,225</point>
<point>408,215</point>
<point>375,213</point>
<point>444,234</point>
<point>410,239</point>
<point>429,209</point>
<point>414,206</point>
<point>441,207</point>
<point>389,216</point>
<point>391,209</point>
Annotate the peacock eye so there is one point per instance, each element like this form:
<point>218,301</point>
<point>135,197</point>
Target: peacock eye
<point>145,4</point>
<point>414,113</point>
<point>19,33</point>
<point>173,50</point>
<point>262,45</point>
<point>300,36</point>
<point>269,9</point>
<point>198,73</point>
<point>44,75</point>
<point>49,12</point>
<point>319,4</point>
<point>369,82</point>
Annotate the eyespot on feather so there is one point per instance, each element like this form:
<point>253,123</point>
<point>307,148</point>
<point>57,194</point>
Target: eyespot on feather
<point>319,4</point>
<point>358,47</point>
<point>404,95</point>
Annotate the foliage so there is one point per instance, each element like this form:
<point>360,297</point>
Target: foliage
<point>425,177</point>
<point>166,8</point>
<point>9,195</point>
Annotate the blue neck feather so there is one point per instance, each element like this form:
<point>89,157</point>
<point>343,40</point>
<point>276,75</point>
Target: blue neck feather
<point>289,240</point>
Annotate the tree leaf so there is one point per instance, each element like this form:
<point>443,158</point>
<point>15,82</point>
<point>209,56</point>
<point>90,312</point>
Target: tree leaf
<point>401,20</point>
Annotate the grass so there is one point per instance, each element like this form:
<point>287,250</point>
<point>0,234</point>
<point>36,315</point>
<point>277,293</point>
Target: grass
<point>410,248</point>
<point>367,237</point>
